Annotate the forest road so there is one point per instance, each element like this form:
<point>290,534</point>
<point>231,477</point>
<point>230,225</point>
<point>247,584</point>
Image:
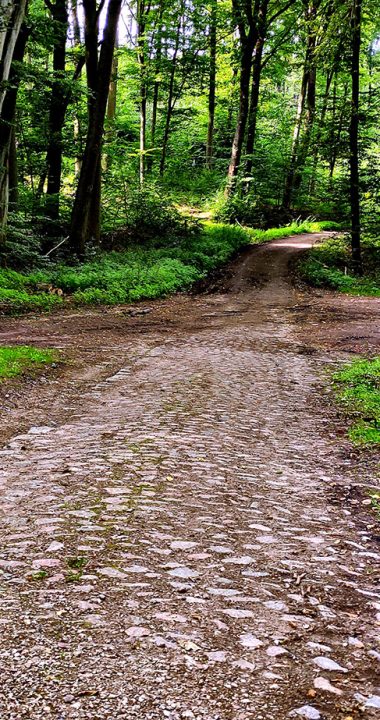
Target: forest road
<point>183,533</point>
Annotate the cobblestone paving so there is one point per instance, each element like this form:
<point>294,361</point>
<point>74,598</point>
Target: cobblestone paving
<point>171,552</point>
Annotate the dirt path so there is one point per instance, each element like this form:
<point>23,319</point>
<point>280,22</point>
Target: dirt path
<point>179,533</point>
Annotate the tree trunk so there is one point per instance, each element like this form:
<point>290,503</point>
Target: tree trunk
<point>156,86</point>
<point>12,171</point>
<point>212,88</point>
<point>85,219</point>
<point>141,18</point>
<point>237,144</point>
<point>76,122</point>
<point>58,106</point>
<point>255,87</point>
<point>308,128</point>
<point>354,135</point>
<point>338,135</point>
<point>111,107</point>
<point>170,105</point>
<point>7,118</point>
<point>307,93</point>
<point>321,125</point>
<point>12,16</point>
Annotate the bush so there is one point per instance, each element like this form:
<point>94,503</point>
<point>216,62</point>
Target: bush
<point>147,215</point>
<point>358,389</point>
<point>330,265</point>
<point>136,273</point>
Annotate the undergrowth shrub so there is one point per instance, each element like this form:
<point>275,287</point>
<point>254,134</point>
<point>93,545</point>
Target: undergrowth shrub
<point>329,264</point>
<point>357,386</point>
<point>147,214</point>
<point>139,272</point>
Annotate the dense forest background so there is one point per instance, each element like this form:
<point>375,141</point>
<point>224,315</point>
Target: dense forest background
<point>114,114</point>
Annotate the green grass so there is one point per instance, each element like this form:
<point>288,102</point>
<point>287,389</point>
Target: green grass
<point>375,501</point>
<point>357,386</point>
<point>329,265</point>
<point>137,273</point>
<point>17,359</point>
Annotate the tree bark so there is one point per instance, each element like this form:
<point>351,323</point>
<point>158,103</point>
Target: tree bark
<point>170,104</point>
<point>237,144</point>
<point>246,19</point>
<point>321,125</point>
<point>85,219</point>
<point>7,118</point>
<point>354,135</point>
<point>306,99</point>
<point>111,106</point>
<point>76,41</point>
<point>13,171</point>
<point>336,137</point>
<point>12,15</point>
<point>58,107</point>
<point>141,22</point>
<point>212,87</point>
<point>255,87</point>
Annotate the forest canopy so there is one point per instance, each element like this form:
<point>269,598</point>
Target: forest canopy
<point>114,114</point>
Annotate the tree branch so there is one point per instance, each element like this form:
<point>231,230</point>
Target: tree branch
<point>280,12</point>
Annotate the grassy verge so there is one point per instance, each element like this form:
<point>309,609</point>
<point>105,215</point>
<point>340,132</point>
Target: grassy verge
<point>358,390</point>
<point>329,265</point>
<point>15,360</point>
<point>137,273</point>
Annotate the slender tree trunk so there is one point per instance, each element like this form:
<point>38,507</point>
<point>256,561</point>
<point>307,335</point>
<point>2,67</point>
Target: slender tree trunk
<point>58,106</point>
<point>7,119</point>
<point>13,172</point>
<point>111,107</point>
<point>354,135</point>
<point>335,145</point>
<point>255,87</point>
<point>321,125</point>
<point>237,144</point>
<point>76,122</point>
<point>156,85</point>
<point>12,13</point>
<point>141,21</point>
<point>308,128</point>
<point>170,105</point>
<point>85,220</point>
<point>212,88</point>
<point>306,99</point>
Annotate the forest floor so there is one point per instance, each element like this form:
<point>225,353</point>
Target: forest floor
<point>185,530</point>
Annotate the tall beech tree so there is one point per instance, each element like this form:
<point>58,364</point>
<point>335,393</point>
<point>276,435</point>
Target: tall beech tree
<point>13,36</point>
<point>306,105</point>
<point>356,13</point>
<point>212,84</point>
<point>85,220</point>
<point>245,16</point>
<point>58,106</point>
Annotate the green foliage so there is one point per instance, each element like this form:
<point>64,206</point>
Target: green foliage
<point>145,214</point>
<point>128,276</point>
<point>14,360</point>
<point>358,390</point>
<point>329,265</point>
<point>139,272</point>
<point>18,301</point>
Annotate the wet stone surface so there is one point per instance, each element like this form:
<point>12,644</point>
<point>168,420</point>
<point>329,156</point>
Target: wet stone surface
<point>171,551</point>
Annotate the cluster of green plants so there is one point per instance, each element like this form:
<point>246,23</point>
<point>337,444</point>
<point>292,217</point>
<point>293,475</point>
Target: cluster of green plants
<point>147,271</point>
<point>329,265</point>
<point>357,386</point>
<point>14,360</point>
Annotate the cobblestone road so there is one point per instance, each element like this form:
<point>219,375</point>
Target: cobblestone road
<point>173,551</point>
